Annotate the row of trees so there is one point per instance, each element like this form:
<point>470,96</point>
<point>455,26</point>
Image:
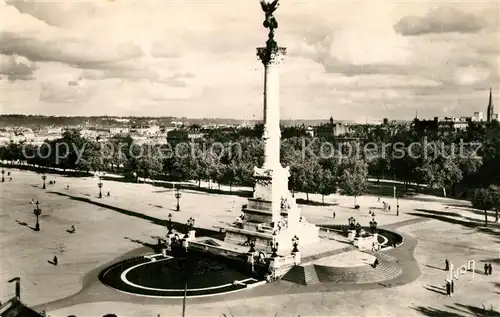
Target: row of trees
<point>228,157</point>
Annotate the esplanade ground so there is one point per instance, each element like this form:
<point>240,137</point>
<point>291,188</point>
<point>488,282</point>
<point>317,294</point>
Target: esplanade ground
<point>133,216</point>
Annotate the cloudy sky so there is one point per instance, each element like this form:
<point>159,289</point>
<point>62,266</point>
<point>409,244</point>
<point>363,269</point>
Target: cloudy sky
<point>348,60</point>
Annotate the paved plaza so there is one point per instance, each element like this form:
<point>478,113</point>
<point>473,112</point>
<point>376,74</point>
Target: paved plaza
<point>132,217</point>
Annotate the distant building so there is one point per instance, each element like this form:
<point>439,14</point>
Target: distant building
<point>478,116</point>
<point>441,126</point>
<point>490,116</point>
<point>177,136</point>
<point>119,130</point>
<point>54,130</point>
<point>332,130</point>
<point>310,131</point>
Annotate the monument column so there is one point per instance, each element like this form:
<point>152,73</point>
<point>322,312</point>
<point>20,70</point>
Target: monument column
<point>271,56</point>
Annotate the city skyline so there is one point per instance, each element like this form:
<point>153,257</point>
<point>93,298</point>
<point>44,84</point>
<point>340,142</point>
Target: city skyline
<point>352,61</point>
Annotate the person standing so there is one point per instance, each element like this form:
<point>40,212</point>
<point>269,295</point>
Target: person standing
<point>486,269</point>
<point>448,289</point>
<point>452,286</point>
<point>490,269</point>
<point>446,265</point>
<point>333,214</point>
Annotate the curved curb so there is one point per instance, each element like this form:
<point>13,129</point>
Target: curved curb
<point>94,291</point>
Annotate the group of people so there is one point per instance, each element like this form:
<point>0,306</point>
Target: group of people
<point>488,269</point>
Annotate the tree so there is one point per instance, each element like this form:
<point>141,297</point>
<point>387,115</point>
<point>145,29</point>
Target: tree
<point>326,184</point>
<point>353,178</point>
<point>446,173</point>
<point>231,174</point>
<point>378,167</point>
<point>483,199</point>
<point>305,175</point>
<point>495,192</point>
<point>149,164</point>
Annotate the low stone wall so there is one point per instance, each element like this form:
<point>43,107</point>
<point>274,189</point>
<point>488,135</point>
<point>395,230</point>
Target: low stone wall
<point>394,238</point>
<point>216,250</point>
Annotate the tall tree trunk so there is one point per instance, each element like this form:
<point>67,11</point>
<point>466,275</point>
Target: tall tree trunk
<point>354,200</point>
<point>199,182</point>
<point>454,190</point>
<point>307,196</point>
<point>485,218</point>
<point>322,199</point>
<point>496,214</point>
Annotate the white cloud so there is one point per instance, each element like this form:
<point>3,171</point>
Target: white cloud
<point>198,59</point>
<point>471,75</point>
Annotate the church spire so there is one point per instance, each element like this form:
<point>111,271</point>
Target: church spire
<point>489,111</point>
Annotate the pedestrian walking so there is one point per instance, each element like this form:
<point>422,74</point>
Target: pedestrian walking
<point>486,269</point>
<point>55,260</point>
<point>452,286</point>
<point>378,199</point>
<point>446,265</point>
<point>448,289</point>
<point>333,214</point>
<point>490,269</point>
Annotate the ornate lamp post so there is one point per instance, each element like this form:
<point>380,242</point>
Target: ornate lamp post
<point>169,224</point>
<point>189,225</point>
<point>186,275</point>
<point>397,206</point>
<point>178,196</point>
<point>251,243</point>
<point>274,249</point>
<point>397,201</point>
<point>37,211</point>
<point>352,223</point>
<point>358,229</point>
<point>3,177</point>
<point>295,242</point>
<point>44,177</point>
<point>373,225</point>
<point>99,184</point>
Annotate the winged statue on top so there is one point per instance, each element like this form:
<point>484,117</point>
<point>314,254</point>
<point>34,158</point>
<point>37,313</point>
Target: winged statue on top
<point>269,7</point>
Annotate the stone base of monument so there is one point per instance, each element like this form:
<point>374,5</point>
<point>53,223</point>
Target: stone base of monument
<point>306,232</point>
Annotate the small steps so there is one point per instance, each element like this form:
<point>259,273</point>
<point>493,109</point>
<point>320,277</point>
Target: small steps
<point>304,275</point>
<point>327,253</point>
<point>358,275</point>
